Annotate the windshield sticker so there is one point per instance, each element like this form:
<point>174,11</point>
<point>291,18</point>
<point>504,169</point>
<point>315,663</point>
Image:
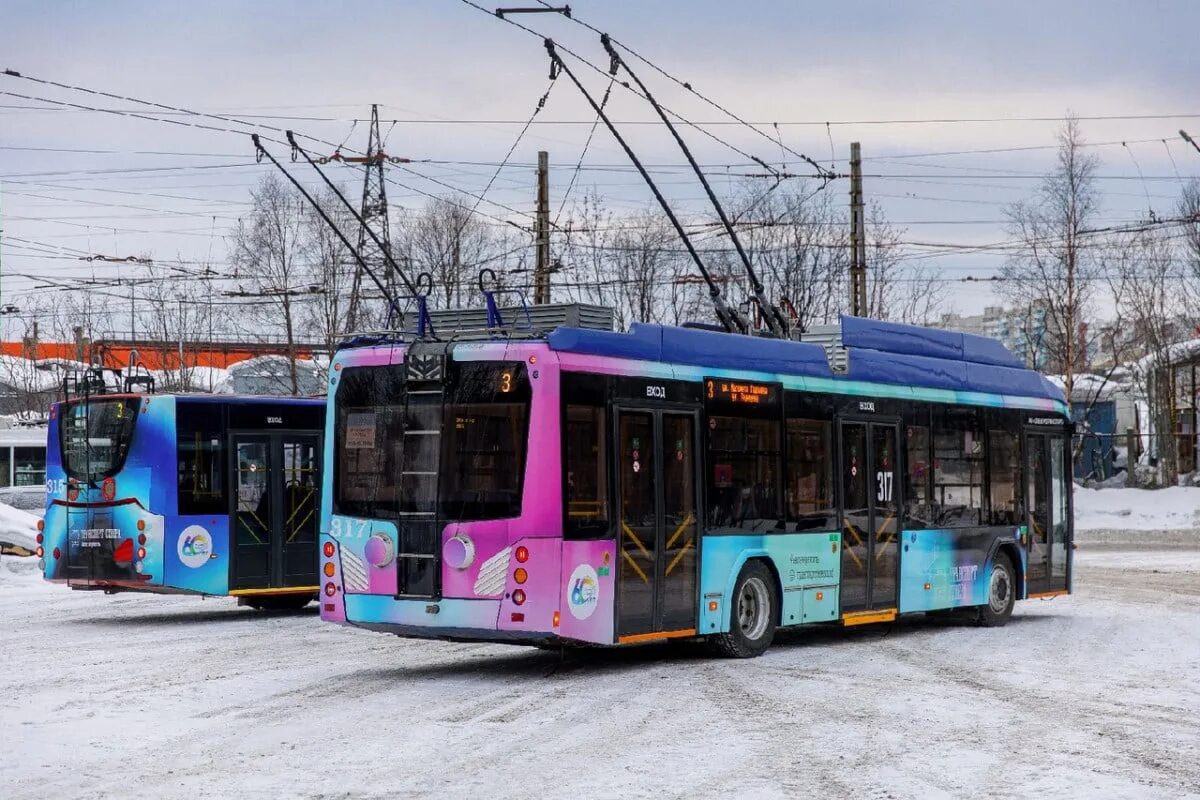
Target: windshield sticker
<point>360,430</point>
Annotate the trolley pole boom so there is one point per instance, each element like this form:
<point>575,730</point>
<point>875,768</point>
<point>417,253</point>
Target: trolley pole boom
<point>728,317</point>
<point>774,319</point>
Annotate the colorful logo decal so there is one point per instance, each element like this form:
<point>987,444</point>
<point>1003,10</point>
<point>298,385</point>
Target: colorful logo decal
<point>194,546</point>
<point>583,592</point>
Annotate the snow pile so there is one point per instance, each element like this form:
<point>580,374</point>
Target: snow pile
<point>18,529</point>
<point>1173,508</point>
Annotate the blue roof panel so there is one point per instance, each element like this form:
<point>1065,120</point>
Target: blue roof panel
<point>935,373</point>
<point>892,337</point>
<point>986,350</point>
<point>709,348</point>
<point>903,355</point>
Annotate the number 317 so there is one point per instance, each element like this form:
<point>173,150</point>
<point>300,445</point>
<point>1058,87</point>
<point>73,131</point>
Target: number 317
<point>884,480</point>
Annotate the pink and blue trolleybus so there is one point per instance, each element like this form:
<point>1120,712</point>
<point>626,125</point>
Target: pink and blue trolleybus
<point>184,494</point>
<point>583,486</point>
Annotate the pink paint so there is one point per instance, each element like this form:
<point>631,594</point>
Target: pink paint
<point>540,587</point>
<point>379,550</point>
<point>586,618</point>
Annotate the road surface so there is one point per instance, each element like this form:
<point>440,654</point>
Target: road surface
<point>1095,695</point>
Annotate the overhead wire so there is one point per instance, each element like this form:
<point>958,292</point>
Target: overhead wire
<point>688,86</point>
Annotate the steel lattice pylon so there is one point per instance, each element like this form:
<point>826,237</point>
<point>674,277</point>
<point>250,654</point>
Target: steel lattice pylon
<point>374,212</point>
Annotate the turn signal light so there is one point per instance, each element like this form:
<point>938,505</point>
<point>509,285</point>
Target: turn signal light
<point>518,597</point>
<point>522,554</point>
<point>557,618</point>
<point>712,605</point>
<point>329,569</point>
<point>141,524</point>
<point>520,576</point>
<point>108,489</point>
<point>820,596</point>
<point>41,526</point>
<point>328,549</point>
<point>927,587</point>
<point>330,590</point>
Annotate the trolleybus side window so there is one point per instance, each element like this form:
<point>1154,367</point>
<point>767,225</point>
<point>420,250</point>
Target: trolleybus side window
<point>919,513</point>
<point>585,440</point>
<point>95,436</point>
<point>958,465</point>
<point>201,448</point>
<point>1004,467</point>
<point>810,500</point>
<point>743,474</point>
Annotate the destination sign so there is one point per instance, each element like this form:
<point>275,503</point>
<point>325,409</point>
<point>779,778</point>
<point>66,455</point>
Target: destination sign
<point>742,393</point>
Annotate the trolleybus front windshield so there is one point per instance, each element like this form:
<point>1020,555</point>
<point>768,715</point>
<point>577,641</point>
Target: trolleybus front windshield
<point>94,436</point>
<point>455,451</point>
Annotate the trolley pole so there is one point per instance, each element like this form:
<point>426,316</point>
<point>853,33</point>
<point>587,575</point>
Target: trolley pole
<point>858,243</point>
<point>541,273</point>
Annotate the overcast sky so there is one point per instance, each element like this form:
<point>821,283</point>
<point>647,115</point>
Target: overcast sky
<point>874,64</point>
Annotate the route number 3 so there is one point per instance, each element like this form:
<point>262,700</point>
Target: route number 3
<point>884,482</point>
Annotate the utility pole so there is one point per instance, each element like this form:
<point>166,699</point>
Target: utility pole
<point>858,238</point>
<point>375,216</point>
<point>541,272</point>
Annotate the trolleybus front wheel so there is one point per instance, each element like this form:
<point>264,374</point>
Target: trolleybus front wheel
<point>754,607</point>
<point>1002,593</point>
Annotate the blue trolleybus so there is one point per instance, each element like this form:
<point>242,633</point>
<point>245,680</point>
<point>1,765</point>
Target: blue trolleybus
<point>578,485</point>
<point>194,494</point>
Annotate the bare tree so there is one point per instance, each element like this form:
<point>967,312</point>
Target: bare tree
<point>452,244</point>
<point>329,265</point>
<point>1052,265</point>
<point>797,240</point>
<point>178,318</point>
<point>268,248</point>
<point>898,289</point>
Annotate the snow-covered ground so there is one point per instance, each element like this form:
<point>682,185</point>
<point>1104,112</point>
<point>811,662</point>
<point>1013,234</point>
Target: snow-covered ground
<point>1094,695</point>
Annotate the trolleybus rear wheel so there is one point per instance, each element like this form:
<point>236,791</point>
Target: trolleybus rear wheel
<point>754,606</point>
<point>1002,593</point>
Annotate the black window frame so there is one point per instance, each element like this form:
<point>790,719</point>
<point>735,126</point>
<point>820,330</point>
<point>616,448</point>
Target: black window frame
<point>195,422</point>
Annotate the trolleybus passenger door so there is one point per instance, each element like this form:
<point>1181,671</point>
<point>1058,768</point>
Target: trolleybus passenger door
<point>1047,484</point>
<point>275,510</point>
<point>301,478</point>
<point>255,506</point>
<point>657,589</point>
<point>870,515</point>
